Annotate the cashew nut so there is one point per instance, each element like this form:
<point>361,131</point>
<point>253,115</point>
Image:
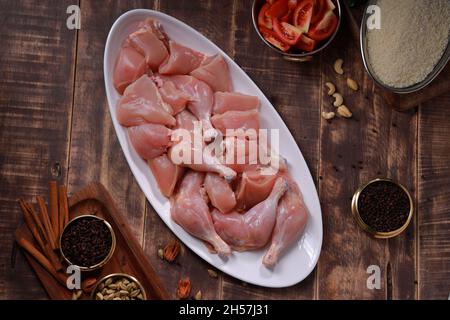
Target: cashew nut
<point>328,115</point>
<point>338,99</point>
<point>343,111</point>
<point>338,66</point>
<point>352,84</point>
<point>331,88</point>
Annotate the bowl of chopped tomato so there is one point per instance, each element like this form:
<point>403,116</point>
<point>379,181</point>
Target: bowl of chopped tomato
<point>297,29</point>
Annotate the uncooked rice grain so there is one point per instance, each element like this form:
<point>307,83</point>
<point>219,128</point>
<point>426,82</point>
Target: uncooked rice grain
<point>413,37</point>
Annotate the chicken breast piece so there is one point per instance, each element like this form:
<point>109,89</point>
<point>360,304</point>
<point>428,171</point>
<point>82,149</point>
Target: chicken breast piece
<point>234,101</point>
<point>129,66</point>
<point>219,192</point>
<point>181,60</point>
<point>147,44</point>
<point>236,120</point>
<point>166,173</point>
<point>149,140</point>
<point>214,71</point>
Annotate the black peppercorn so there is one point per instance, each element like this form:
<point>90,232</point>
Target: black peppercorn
<point>384,206</point>
<point>86,241</point>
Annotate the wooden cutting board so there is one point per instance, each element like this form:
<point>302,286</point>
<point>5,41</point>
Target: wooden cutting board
<point>128,256</point>
<point>401,102</point>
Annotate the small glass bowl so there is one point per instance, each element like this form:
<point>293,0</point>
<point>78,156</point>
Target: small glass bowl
<point>368,229</point>
<point>111,251</point>
<point>118,275</point>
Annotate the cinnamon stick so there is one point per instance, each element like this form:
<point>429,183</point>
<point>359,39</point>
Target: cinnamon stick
<point>43,243</point>
<point>63,208</point>
<point>40,258</point>
<point>54,216</point>
<point>30,224</point>
<point>46,222</point>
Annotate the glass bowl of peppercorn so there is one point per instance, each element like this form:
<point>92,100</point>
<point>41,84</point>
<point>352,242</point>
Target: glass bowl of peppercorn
<point>383,208</point>
<point>87,242</point>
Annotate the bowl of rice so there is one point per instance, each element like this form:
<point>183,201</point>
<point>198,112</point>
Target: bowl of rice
<point>410,47</point>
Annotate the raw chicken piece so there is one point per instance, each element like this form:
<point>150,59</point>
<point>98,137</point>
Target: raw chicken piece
<point>185,120</point>
<point>251,230</point>
<point>201,99</point>
<point>292,217</point>
<point>148,44</point>
<point>190,211</point>
<point>129,67</point>
<point>235,120</point>
<point>176,98</point>
<point>219,192</point>
<point>157,29</point>
<point>181,60</point>
<point>253,188</point>
<point>150,140</point>
<point>166,173</point>
<point>136,111</point>
<point>234,101</point>
<point>207,163</point>
<point>214,71</point>
<point>146,89</point>
<point>237,151</point>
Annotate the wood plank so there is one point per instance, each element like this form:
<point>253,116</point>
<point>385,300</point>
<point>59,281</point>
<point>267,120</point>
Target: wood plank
<point>203,16</point>
<point>95,152</point>
<point>434,199</point>
<point>36,55</point>
<point>376,142</point>
<point>293,89</point>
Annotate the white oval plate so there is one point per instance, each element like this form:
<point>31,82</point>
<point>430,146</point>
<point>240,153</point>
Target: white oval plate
<point>301,258</point>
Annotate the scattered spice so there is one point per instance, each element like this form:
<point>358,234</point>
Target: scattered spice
<point>212,273</point>
<point>86,241</point>
<point>161,253</point>
<point>184,288</point>
<point>198,295</point>
<point>118,288</point>
<point>172,250</point>
<point>383,206</point>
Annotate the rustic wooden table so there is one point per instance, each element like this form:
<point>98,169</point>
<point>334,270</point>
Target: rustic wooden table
<point>55,124</point>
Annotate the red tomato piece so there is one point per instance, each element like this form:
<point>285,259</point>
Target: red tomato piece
<point>286,32</point>
<point>263,20</point>
<point>324,28</point>
<point>278,9</point>
<point>302,15</point>
<point>321,7</point>
<point>277,43</point>
<point>305,44</point>
<point>267,32</point>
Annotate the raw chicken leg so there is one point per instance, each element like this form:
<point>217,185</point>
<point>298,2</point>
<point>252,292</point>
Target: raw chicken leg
<point>291,221</point>
<point>251,230</point>
<point>190,211</point>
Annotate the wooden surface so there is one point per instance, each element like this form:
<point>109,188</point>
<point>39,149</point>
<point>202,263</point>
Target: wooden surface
<point>55,124</point>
